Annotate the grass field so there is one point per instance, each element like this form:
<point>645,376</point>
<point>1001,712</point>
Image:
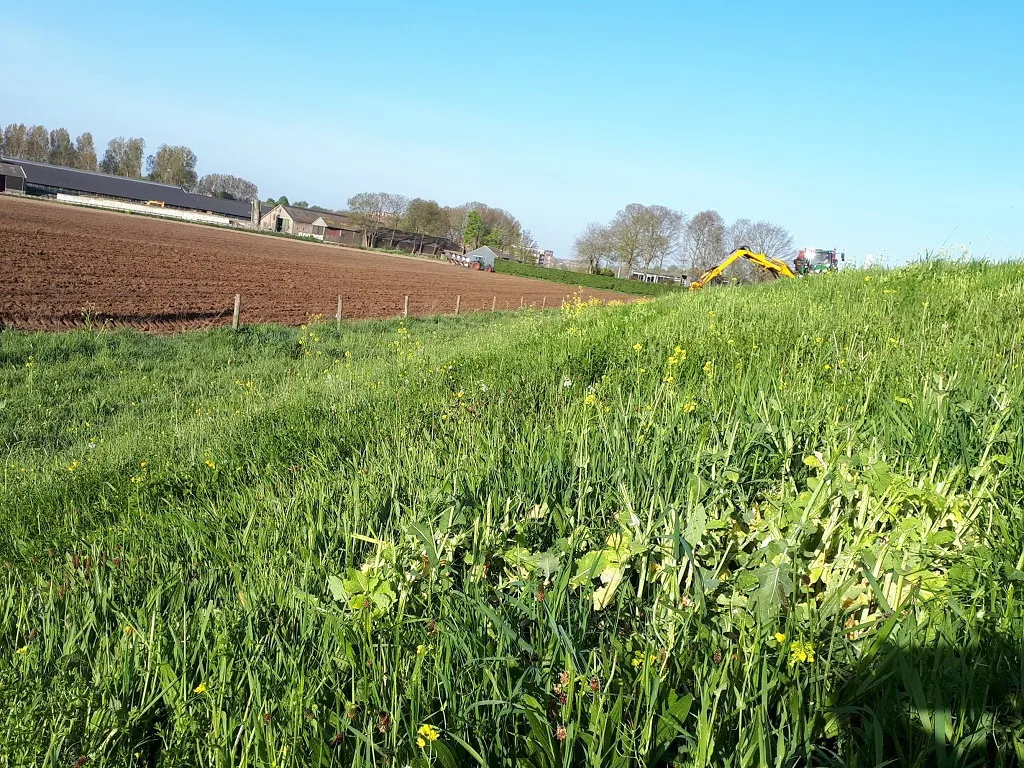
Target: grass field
<point>583,279</point>
<point>768,526</point>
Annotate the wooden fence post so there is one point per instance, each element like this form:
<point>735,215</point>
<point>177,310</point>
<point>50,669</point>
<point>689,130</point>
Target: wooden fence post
<point>494,304</point>
<point>544,303</point>
<point>520,302</point>
<point>458,302</point>
<point>405,312</point>
<point>338,317</point>
<point>238,311</point>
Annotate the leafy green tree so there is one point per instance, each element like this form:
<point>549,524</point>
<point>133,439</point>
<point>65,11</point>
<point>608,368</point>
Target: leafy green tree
<point>173,165</point>
<point>475,231</point>
<point>426,217</point>
<point>283,200</point>
<point>14,138</point>
<point>85,152</point>
<point>62,150</point>
<point>124,157</point>
<point>37,144</point>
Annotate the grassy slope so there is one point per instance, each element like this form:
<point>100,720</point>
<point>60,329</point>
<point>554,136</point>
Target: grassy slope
<point>836,460</point>
<point>584,280</point>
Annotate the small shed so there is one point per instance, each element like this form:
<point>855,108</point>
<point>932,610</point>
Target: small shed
<point>337,229</point>
<point>12,178</point>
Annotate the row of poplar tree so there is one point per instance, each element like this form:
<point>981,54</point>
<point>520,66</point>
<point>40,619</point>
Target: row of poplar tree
<point>123,157</point>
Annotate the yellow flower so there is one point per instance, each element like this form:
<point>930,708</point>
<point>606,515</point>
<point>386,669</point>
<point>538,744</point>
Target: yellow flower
<point>201,688</point>
<point>143,464</point>
<point>429,732</point>
<point>867,279</point>
<point>459,394</point>
<point>23,650</point>
<point>590,399</point>
<point>638,347</point>
<point>420,742</point>
<point>210,464</point>
<point>800,652</point>
<point>129,629</point>
<point>669,379</point>
<point>690,407</point>
<point>709,367</point>
<point>780,638</point>
<point>420,650</point>
<point>828,367</point>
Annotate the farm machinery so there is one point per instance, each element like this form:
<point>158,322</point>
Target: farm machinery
<point>808,262</point>
<point>472,261</point>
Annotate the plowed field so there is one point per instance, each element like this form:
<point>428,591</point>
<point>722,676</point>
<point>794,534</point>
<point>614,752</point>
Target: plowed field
<point>66,267</point>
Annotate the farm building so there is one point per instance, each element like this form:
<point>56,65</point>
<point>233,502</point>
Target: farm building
<point>71,183</point>
<point>12,178</point>
<point>332,228</point>
<point>290,220</point>
<point>661,278</point>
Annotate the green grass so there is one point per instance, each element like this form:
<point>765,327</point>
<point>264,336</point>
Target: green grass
<point>584,280</point>
<point>553,537</point>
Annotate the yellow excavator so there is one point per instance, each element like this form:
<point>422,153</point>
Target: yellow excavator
<point>777,267</point>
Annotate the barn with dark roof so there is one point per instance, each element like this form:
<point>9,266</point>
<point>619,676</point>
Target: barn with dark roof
<point>51,180</point>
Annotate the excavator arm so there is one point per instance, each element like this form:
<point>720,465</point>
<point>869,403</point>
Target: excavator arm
<point>777,267</point>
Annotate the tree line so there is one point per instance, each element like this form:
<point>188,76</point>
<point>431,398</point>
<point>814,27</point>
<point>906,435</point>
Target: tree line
<point>646,237</point>
<point>175,165</point>
<point>471,224</point>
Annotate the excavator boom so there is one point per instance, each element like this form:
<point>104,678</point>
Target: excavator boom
<point>777,267</point>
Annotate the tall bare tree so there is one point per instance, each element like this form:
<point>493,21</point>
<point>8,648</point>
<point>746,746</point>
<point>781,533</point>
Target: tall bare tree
<point>62,151</point>
<point>173,165</point>
<point>226,185</point>
<point>704,244</point>
<point>85,152</point>
<point>760,237</point>
<point>37,144</point>
<point>377,212</point>
<point>595,247</point>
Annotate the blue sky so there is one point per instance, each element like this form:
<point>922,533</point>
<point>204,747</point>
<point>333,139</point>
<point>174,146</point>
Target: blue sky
<point>870,126</point>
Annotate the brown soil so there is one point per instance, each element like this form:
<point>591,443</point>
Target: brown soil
<point>66,267</point>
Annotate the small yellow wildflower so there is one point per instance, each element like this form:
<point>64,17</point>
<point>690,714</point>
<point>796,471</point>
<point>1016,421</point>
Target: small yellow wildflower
<point>709,367</point>
<point>201,688</point>
<point>828,367</point>
<point>459,394</point>
<point>638,347</point>
<point>420,742</point>
<point>801,652</point>
<point>129,629</point>
<point>867,279</point>
<point>143,464</point>
<point>780,638</point>
<point>590,399</point>
<point>210,464</point>
<point>690,407</point>
<point>669,379</point>
<point>421,649</point>
<point>22,651</point>
<point>429,732</point>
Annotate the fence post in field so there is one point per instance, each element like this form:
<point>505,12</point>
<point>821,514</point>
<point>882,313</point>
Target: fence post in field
<point>520,302</point>
<point>544,302</point>
<point>494,303</point>
<point>405,312</point>
<point>338,316</point>
<point>238,311</point>
<point>458,302</point>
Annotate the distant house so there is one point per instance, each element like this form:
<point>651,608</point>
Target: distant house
<point>661,278</point>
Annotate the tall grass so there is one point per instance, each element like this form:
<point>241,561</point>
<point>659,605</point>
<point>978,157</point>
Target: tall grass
<point>766,526</point>
<point>584,280</point>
